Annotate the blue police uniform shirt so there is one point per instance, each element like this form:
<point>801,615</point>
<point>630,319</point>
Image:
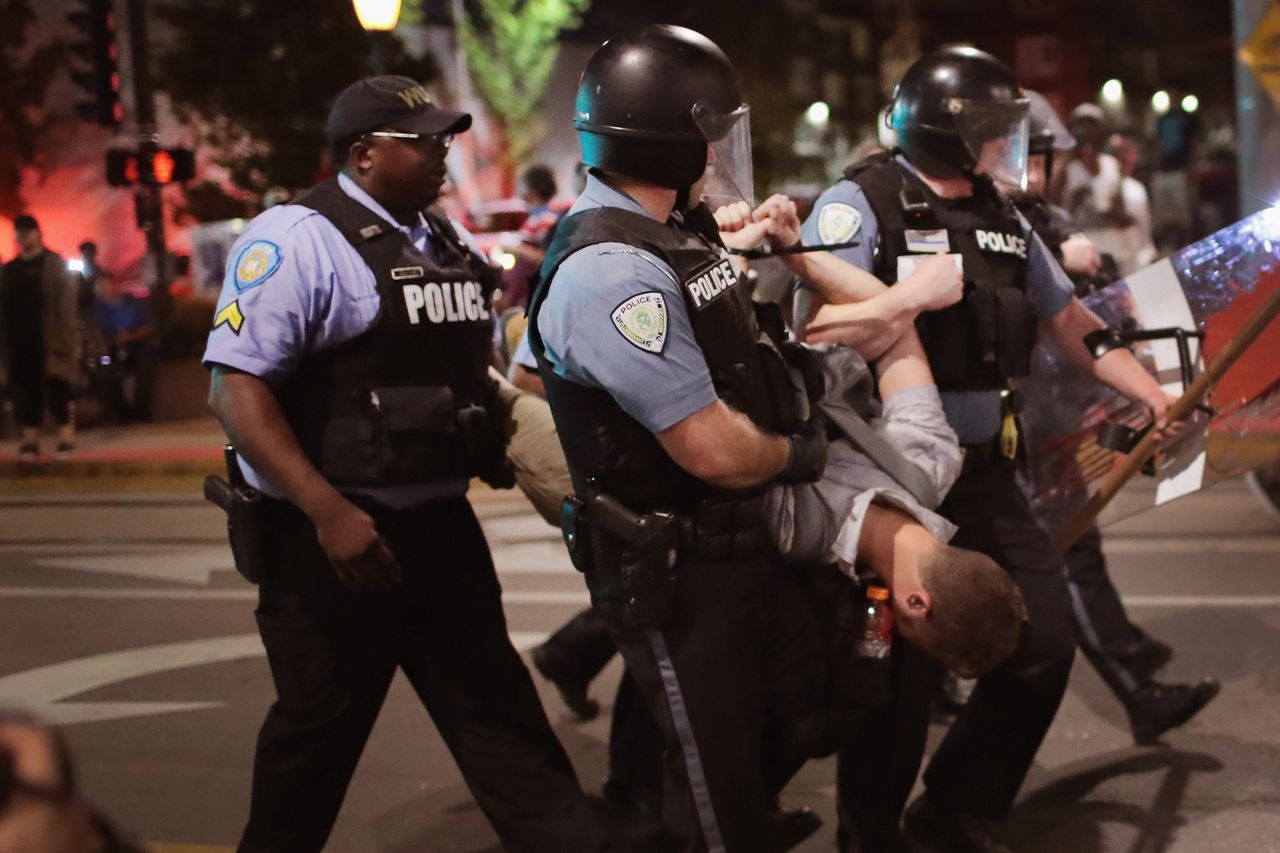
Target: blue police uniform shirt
<point>588,339</point>
<point>974,415</point>
<point>293,286</point>
<point>524,353</point>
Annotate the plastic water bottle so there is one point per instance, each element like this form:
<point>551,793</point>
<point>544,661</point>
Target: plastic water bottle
<point>877,625</point>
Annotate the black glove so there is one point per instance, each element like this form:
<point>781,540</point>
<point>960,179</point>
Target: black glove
<point>808,452</point>
<point>500,476</point>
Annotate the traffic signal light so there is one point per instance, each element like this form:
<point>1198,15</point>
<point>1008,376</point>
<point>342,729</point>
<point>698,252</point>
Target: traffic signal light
<point>162,166</point>
<point>96,48</point>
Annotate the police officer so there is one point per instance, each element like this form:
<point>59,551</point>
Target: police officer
<point>960,119</point>
<point>1124,655</point>
<point>349,357</point>
<point>672,410</point>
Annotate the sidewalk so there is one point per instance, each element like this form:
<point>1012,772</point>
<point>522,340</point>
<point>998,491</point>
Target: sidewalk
<point>168,456</point>
<point>171,456</point>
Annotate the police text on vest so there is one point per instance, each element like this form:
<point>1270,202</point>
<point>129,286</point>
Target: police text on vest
<point>713,281</point>
<point>445,302</point>
<point>1007,244</point>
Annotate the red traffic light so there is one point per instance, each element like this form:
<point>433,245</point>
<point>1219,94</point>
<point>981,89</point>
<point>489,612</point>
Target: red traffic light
<point>163,166</point>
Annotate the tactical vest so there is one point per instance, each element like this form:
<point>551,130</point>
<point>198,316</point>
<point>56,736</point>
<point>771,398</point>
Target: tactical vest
<point>409,399</point>
<point>985,339</point>
<point>604,443</point>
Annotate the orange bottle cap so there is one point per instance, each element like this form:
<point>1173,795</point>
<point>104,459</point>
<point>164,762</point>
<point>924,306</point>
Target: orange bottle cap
<point>877,593</point>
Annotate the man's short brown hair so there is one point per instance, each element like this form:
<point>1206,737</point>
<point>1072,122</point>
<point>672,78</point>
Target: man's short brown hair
<point>976,610</point>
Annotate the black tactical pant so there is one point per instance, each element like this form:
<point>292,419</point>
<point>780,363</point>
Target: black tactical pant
<point>981,763</point>
<point>1123,654</point>
<point>739,661</point>
<point>333,653</point>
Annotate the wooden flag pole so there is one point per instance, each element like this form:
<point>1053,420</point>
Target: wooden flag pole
<point>1179,411</point>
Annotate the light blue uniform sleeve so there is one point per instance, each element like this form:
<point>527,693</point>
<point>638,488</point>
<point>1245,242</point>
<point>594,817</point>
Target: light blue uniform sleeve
<point>524,353</point>
<point>1048,287</point>
<point>292,286</point>
<point>657,382</point>
<point>841,214</point>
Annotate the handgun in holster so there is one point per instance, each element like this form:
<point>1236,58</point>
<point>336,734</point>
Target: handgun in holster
<point>625,555</point>
<point>246,523</point>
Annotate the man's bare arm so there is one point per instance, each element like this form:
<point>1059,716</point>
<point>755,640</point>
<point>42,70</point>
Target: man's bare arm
<point>1118,368</point>
<point>725,448</point>
<point>253,420</point>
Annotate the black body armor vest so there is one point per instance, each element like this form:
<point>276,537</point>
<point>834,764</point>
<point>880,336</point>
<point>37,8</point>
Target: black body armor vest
<point>604,443</point>
<point>986,339</point>
<point>410,399</point>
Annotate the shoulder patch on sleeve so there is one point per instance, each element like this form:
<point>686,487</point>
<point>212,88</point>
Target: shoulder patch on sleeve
<point>838,222</point>
<point>230,316</point>
<point>642,320</point>
<point>256,263</point>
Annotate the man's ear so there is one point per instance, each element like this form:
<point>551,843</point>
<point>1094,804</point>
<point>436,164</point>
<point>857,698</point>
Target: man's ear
<point>918,604</point>
<point>360,155</point>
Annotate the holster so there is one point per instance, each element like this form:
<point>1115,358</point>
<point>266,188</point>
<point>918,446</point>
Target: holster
<point>247,526</point>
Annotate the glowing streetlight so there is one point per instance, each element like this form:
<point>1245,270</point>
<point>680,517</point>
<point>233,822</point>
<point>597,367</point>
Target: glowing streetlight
<point>377,15</point>
<point>1191,103</point>
<point>818,114</point>
<point>1160,101</point>
<point>1113,91</point>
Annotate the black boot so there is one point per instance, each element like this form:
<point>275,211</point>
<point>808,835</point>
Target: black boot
<point>572,691</point>
<point>1156,708</point>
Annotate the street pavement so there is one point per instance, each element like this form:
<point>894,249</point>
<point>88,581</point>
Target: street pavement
<point>122,619</point>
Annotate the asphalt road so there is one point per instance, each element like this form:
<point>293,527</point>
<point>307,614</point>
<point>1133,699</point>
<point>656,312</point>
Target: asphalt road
<point>120,617</point>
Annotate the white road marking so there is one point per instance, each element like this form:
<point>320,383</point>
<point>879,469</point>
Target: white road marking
<point>1192,545</point>
<point>41,691</point>
<point>187,565</point>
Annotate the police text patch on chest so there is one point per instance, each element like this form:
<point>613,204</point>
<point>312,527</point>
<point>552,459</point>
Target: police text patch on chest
<point>1004,244</point>
<point>707,284</point>
<point>642,320</point>
<point>256,263</point>
<point>927,241</point>
<point>838,222</point>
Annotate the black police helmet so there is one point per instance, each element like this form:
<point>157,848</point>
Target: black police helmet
<point>636,100</point>
<point>922,112</point>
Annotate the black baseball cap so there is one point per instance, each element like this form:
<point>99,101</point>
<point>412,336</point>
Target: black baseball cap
<point>400,103</point>
<point>25,222</point>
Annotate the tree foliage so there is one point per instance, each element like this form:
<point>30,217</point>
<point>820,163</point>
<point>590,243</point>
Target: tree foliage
<point>25,75</point>
<point>511,46</point>
<point>266,72</point>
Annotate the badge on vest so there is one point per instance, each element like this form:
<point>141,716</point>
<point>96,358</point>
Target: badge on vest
<point>838,222</point>
<point>706,285</point>
<point>402,273</point>
<point>927,242</point>
<point>1004,244</point>
<point>642,320</point>
<point>444,302</point>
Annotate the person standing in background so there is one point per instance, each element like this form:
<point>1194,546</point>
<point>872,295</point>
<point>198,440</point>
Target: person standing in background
<point>38,327</point>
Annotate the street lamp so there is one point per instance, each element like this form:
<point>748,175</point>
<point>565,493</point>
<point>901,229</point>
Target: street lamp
<point>817,115</point>
<point>378,17</point>
<point>1113,91</point>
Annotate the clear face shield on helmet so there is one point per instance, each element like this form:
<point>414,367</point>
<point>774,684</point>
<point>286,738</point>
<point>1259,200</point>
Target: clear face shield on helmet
<point>728,178</point>
<point>996,134</point>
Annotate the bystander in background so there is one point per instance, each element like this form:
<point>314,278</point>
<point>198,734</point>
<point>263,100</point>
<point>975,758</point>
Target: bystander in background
<point>38,338</point>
